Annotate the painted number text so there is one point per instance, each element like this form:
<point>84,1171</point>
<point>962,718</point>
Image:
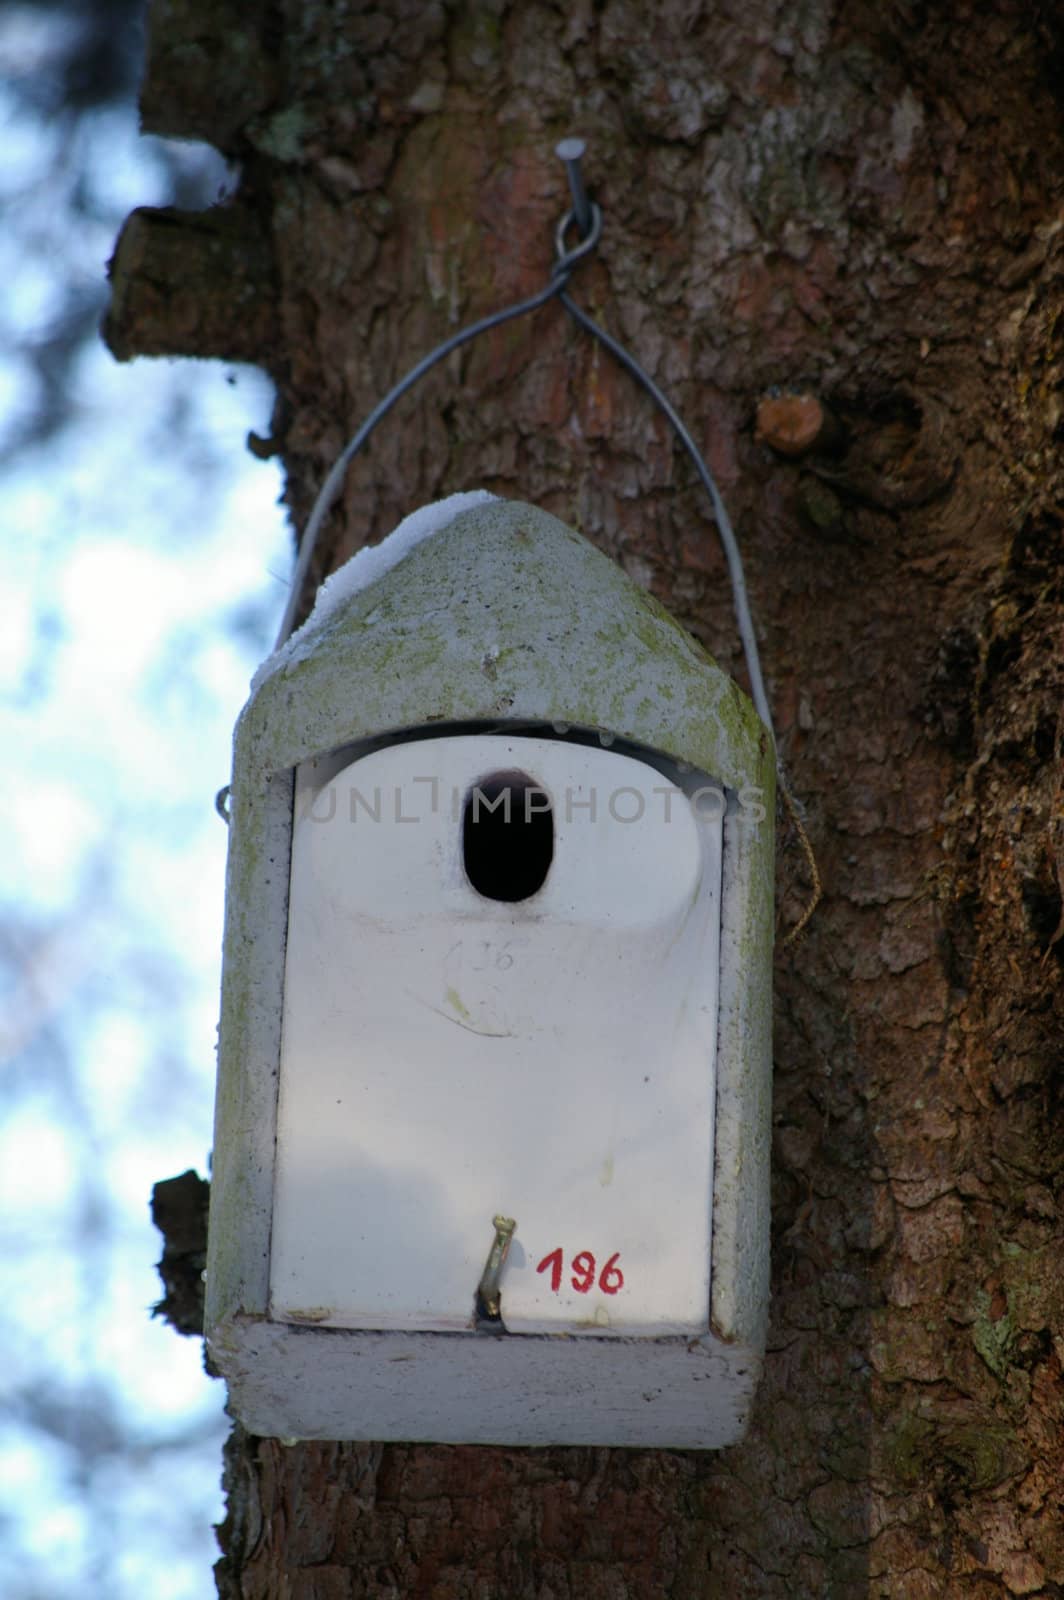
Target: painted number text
<point>583,1267</point>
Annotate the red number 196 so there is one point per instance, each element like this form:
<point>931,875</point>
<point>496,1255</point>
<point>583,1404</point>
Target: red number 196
<point>610,1281</point>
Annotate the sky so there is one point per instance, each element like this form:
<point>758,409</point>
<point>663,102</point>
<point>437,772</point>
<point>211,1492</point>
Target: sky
<point>143,568</point>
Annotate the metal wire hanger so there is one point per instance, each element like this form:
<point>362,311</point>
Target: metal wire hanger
<point>586,217</point>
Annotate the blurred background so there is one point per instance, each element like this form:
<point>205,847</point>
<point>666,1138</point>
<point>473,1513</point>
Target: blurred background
<point>143,565</point>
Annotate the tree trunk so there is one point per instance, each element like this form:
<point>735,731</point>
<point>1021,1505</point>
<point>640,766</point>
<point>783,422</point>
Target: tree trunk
<point>862,205</point>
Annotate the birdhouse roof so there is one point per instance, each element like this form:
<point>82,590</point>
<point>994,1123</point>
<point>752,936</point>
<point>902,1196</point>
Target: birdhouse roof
<point>505,614</point>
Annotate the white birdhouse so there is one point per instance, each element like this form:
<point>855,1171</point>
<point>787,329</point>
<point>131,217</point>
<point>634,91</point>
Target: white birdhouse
<point>491,1146</point>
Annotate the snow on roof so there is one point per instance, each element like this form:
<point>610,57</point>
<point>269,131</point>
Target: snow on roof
<point>366,566</point>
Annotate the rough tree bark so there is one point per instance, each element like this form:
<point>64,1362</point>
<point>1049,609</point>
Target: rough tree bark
<point>860,202</point>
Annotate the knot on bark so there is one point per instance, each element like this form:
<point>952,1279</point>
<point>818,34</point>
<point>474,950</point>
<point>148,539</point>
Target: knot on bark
<point>179,1211</point>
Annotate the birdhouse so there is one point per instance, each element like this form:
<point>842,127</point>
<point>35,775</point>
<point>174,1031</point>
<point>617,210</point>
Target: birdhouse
<point>492,1130</point>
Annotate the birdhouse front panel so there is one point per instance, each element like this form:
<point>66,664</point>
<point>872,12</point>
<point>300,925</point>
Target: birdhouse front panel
<point>500,1000</point>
